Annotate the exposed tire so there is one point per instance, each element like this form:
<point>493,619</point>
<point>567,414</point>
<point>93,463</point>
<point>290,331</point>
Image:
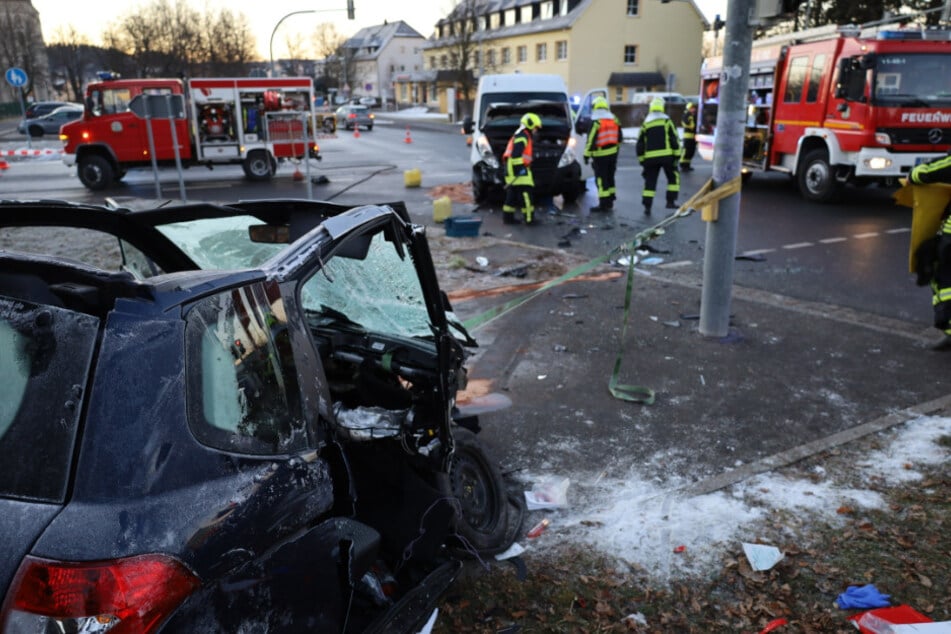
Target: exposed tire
<point>95,172</point>
<point>259,165</point>
<point>571,194</point>
<point>482,517</point>
<point>480,192</point>
<point>816,179</point>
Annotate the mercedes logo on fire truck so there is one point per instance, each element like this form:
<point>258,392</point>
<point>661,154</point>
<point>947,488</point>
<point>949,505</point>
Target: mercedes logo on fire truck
<point>935,135</point>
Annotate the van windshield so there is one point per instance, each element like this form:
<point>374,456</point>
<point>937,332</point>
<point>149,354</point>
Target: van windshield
<point>491,98</point>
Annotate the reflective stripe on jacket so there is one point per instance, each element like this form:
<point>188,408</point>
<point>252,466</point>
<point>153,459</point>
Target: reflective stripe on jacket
<point>936,171</point>
<point>658,139</point>
<point>689,123</point>
<point>518,159</point>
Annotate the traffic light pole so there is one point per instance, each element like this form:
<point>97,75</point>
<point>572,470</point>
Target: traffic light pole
<point>727,162</point>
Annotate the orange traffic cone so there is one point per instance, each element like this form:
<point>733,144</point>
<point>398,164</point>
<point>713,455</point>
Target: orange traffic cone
<point>356,132</point>
<point>298,175</point>
<point>4,165</point>
<point>408,139</point>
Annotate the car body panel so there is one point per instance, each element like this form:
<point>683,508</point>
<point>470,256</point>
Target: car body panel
<point>157,467</point>
<point>51,122</point>
<point>352,117</point>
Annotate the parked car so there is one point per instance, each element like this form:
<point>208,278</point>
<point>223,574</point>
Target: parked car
<point>670,98</point>
<point>39,108</point>
<point>51,122</point>
<point>243,423</point>
<point>352,117</point>
<point>369,102</point>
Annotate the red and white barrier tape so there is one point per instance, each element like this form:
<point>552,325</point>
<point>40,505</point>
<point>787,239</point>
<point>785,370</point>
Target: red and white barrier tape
<point>29,152</point>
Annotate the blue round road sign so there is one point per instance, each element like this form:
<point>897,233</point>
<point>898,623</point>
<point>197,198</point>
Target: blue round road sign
<point>16,77</point>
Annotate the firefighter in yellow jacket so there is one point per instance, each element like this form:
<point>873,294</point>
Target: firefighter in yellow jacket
<point>519,184</point>
<point>689,123</point>
<point>604,140</point>
<point>934,256</point>
<point>658,148</point>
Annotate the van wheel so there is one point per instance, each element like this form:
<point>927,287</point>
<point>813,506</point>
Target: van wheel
<point>95,172</point>
<point>259,165</point>
<point>816,179</point>
<point>480,192</point>
<point>571,194</point>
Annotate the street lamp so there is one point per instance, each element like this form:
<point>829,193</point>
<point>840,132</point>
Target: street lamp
<point>271,44</point>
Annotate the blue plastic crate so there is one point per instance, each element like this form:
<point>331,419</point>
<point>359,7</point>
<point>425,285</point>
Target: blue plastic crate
<point>457,227</point>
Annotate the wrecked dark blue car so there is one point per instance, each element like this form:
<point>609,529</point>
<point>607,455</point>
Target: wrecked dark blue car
<point>232,418</point>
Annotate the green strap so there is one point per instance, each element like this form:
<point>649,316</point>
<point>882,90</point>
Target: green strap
<point>620,391</point>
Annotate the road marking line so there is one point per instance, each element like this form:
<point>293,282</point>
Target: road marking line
<point>798,245</point>
<point>862,236</point>
<point>900,230</point>
<point>758,252</point>
<point>832,240</point>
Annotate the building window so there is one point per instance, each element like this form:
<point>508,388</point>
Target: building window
<point>490,58</point>
<point>476,59</point>
<point>619,93</point>
<point>630,54</point>
<point>432,62</point>
<point>561,50</point>
<point>506,55</point>
<point>521,54</point>
<point>632,7</point>
<point>511,17</point>
<point>443,61</point>
<point>541,52</point>
<point>526,14</point>
<point>547,9</point>
<point>495,20</point>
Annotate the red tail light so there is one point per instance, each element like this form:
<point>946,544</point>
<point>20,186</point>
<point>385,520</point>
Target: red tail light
<point>130,595</point>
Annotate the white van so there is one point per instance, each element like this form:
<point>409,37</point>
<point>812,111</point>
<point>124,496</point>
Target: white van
<point>500,103</point>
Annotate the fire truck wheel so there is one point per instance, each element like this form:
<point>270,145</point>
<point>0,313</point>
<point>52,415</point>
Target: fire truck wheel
<point>259,165</point>
<point>95,172</point>
<point>816,178</point>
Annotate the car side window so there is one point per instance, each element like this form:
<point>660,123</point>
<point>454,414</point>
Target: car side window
<point>45,355</point>
<point>244,393</point>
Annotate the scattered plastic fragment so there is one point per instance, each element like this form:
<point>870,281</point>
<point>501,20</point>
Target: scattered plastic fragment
<point>652,261</point>
<point>547,494</point>
<point>866,596</point>
<point>514,550</point>
<point>637,618</point>
<point>482,261</point>
<point>901,619</point>
<point>772,625</point>
<point>428,626</point>
<point>680,549</point>
<point>542,377</point>
<point>762,557</point>
<point>559,348</point>
<point>538,529</point>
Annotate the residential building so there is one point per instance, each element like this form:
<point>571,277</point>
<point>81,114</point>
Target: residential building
<point>627,45</point>
<point>381,53</point>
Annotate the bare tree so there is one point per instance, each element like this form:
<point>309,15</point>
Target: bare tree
<point>461,34</point>
<point>70,53</point>
<point>21,45</point>
<point>166,39</point>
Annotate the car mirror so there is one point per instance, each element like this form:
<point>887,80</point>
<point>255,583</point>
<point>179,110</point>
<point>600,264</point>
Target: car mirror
<point>270,234</point>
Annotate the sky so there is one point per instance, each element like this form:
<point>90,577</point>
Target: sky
<point>422,15</point>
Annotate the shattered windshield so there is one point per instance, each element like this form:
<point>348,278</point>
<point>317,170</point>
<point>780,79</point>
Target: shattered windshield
<point>913,80</point>
<point>220,243</point>
<point>380,293</point>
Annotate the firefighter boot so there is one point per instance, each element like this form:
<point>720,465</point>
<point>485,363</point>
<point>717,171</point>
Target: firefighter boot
<point>509,218</point>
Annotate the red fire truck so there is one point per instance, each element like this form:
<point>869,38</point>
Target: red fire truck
<point>831,106</point>
<point>251,121</point>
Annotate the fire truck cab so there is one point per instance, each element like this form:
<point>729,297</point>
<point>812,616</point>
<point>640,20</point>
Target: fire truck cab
<point>832,106</point>
<point>253,122</point>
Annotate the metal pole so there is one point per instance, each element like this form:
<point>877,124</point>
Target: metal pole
<point>271,44</point>
<point>151,137</point>
<point>727,162</point>
<point>172,123</point>
<point>23,111</point>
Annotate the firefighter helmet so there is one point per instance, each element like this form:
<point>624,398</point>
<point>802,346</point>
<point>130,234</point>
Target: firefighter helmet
<point>531,121</point>
<point>691,105</point>
<point>600,103</point>
<point>657,104</point>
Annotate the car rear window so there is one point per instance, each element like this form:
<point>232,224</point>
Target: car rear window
<point>45,357</point>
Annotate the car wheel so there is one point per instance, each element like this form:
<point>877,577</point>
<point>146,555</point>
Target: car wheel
<point>95,172</point>
<point>816,179</point>
<point>36,131</point>
<point>369,127</point>
<point>259,165</point>
<point>475,482</point>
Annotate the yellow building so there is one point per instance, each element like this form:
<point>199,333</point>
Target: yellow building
<point>627,45</point>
